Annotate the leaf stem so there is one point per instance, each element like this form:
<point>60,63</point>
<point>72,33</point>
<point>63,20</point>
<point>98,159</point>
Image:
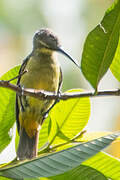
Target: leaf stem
<point>73,140</point>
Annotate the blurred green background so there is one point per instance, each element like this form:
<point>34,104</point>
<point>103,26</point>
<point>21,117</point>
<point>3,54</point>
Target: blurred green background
<point>71,21</point>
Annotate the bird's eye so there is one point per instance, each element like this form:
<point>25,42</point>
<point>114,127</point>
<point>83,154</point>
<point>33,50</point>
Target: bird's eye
<point>51,37</point>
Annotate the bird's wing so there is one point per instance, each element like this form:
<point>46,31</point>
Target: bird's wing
<point>60,81</point>
<point>22,68</point>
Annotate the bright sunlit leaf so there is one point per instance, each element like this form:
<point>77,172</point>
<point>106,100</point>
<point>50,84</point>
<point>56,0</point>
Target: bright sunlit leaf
<point>7,109</point>
<point>68,118</point>
<point>115,66</point>
<point>106,164</point>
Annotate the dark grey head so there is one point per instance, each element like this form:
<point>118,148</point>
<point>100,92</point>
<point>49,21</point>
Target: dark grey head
<point>45,38</point>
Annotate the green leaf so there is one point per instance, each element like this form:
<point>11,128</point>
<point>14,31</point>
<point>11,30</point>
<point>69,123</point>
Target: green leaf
<point>59,162</point>
<point>100,46</point>
<point>4,178</point>
<point>79,173</point>
<point>106,164</point>
<point>44,133</point>
<point>115,66</point>
<point>68,118</point>
<point>7,110</point>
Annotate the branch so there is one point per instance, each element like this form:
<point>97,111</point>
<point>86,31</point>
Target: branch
<point>41,94</point>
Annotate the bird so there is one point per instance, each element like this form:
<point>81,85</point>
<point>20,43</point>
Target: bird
<point>43,72</point>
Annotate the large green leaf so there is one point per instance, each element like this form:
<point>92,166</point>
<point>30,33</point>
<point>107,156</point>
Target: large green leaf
<point>106,164</point>
<point>7,110</point>
<point>100,46</point>
<point>102,162</point>
<point>79,173</point>
<point>68,118</point>
<point>115,66</point>
<point>59,162</point>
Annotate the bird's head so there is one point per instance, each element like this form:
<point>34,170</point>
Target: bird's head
<point>47,41</point>
<point>45,38</point>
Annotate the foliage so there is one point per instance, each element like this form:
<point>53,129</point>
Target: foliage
<point>65,150</point>
<point>59,162</point>
<point>100,46</point>
<point>7,110</point>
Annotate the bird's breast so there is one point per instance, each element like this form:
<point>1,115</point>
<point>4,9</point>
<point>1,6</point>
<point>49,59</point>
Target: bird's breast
<point>42,74</point>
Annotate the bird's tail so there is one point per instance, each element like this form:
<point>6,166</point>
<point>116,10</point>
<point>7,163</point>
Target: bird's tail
<point>27,147</point>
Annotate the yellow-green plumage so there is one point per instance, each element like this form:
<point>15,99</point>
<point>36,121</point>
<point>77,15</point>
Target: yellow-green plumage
<point>43,72</point>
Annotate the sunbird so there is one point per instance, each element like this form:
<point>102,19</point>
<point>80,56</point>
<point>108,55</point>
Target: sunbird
<point>43,73</point>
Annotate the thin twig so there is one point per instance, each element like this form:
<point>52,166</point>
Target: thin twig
<point>73,140</point>
<point>49,148</point>
<point>41,94</point>
<point>16,77</point>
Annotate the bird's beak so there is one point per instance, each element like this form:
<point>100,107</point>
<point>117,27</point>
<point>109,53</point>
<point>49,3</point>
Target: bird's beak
<point>61,50</point>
